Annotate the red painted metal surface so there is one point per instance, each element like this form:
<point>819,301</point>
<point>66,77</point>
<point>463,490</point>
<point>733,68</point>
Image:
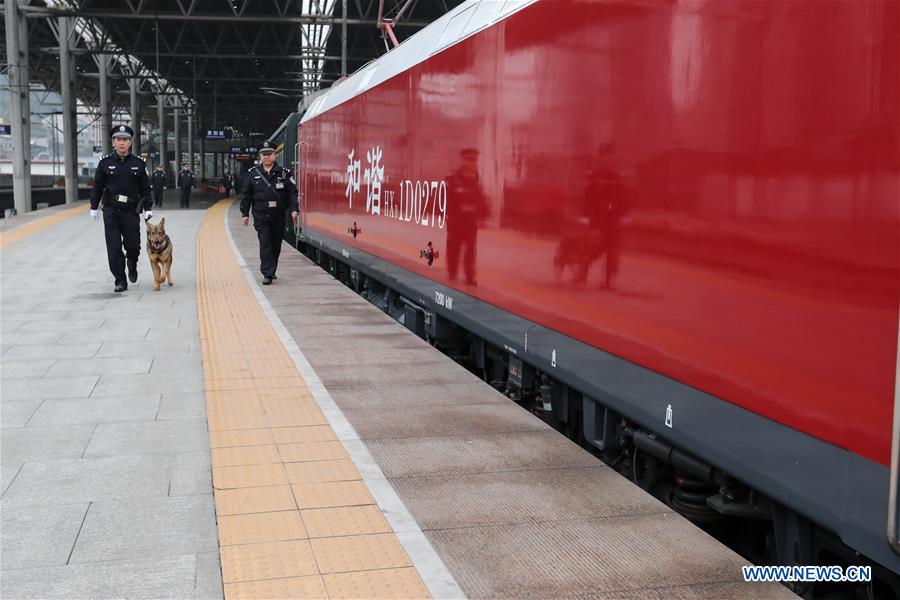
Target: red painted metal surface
<point>708,189</point>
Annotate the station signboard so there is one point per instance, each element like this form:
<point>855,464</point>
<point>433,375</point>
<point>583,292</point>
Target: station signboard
<point>215,134</point>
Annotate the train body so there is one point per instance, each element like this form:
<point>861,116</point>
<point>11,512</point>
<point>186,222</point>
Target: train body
<point>684,214</point>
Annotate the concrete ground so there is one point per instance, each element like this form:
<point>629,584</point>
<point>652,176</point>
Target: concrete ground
<point>104,455</point>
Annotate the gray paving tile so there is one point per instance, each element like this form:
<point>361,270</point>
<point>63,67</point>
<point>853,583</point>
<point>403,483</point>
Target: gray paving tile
<point>58,325</point>
<point>175,405</point>
<point>31,338</point>
<point>180,334</point>
<point>89,479</point>
<point>16,413</point>
<point>148,314</point>
<point>44,443</point>
<point>69,367</point>
<point>57,387</point>
<point>39,536</point>
<point>7,327</point>
<point>133,385</point>
<point>176,366</point>
<point>157,437</point>
<point>136,333</point>
<point>78,306</point>
<point>18,369</point>
<point>8,472</point>
<point>96,410</point>
<point>171,577</point>
<point>191,474</point>
<point>147,528</point>
<point>36,317</point>
<point>142,348</point>
<point>155,322</point>
<point>209,577</point>
<point>17,308</point>
<point>47,351</point>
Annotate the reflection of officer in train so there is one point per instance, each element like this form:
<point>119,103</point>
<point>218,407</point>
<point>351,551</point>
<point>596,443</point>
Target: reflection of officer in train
<point>466,205</point>
<point>595,230</point>
<point>269,190</point>
<point>158,182</point>
<point>121,182</point>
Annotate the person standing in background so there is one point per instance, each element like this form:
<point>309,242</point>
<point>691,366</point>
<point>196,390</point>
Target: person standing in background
<point>185,182</point>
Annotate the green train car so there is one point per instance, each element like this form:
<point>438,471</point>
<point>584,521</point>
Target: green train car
<point>286,153</point>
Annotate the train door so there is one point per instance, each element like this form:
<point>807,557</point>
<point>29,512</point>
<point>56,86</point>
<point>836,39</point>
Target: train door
<point>299,177</point>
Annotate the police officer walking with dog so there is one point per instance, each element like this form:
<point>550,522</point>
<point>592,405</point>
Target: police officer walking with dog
<point>269,190</point>
<point>121,182</point>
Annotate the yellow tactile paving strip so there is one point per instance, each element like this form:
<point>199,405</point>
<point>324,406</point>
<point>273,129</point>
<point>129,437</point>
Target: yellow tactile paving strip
<point>294,516</point>
<point>20,233</point>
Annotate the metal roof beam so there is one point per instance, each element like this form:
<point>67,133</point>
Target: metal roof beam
<point>233,56</point>
<point>42,11</point>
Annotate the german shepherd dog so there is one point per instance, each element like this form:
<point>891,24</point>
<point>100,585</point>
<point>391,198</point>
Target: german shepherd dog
<point>159,249</point>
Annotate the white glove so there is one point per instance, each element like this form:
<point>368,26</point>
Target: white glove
<point>95,214</point>
<point>148,214</point>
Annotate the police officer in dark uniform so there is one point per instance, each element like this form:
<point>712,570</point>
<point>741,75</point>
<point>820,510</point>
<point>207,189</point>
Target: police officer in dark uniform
<point>121,182</point>
<point>269,190</point>
<point>158,182</point>
<point>185,182</point>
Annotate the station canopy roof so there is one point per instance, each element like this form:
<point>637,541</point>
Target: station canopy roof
<point>240,64</point>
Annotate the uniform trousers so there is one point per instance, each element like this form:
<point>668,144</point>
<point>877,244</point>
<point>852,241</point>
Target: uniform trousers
<point>158,196</point>
<point>270,232</point>
<point>185,197</point>
<point>122,228</point>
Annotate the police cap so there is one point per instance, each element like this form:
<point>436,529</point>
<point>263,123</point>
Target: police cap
<point>266,147</point>
<point>122,131</point>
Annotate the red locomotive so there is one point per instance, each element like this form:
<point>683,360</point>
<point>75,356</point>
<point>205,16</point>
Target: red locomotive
<point>673,227</point>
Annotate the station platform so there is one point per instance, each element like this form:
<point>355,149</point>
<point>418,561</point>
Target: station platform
<point>220,438</point>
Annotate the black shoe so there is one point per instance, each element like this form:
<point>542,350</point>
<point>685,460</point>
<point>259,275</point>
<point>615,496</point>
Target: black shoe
<point>121,286</point>
<point>267,280</point>
<point>132,272</point>
<point>274,276</point>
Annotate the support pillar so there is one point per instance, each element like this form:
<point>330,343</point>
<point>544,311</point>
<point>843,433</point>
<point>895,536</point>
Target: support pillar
<point>70,123</point>
<point>190,138</point>
<point>25,80</point>
<point>105,111</point>
<point>202,159</point>
<point>134,110</point>
<point>21,201</point>
<point>163,135</point>
<point>177,131</point>
<point>344,42</point>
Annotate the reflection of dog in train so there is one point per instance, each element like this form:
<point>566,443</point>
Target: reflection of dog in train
<point>159,249</point>
<point>594,232</point>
